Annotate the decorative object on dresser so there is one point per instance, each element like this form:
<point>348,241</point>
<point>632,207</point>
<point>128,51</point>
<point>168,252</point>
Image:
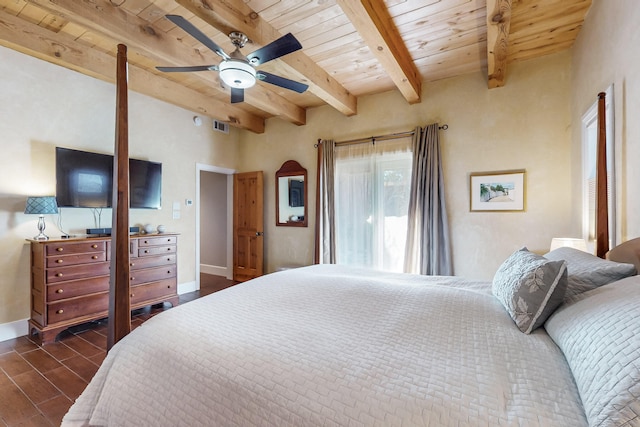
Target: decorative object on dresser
<point>41,206</point>
<point>70,280</point>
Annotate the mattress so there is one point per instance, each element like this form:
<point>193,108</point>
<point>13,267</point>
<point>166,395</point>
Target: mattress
<point>334,346</point>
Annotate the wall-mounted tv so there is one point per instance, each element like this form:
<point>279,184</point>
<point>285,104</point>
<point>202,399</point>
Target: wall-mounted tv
<point>85,180</point>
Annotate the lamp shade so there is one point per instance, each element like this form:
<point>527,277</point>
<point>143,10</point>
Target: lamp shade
<point>41,205</point>
<point>561,242</point>
<point>237,74</point>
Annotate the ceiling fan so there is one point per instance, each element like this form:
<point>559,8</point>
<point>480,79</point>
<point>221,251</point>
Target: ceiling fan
<point>237,70</point>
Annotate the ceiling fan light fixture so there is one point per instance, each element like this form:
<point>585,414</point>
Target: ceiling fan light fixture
<point>237,74</point>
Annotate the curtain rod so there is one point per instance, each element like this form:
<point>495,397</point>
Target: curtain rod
<point>383,137</point>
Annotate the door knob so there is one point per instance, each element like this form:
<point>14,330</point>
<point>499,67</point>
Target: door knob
<point>259,233</point>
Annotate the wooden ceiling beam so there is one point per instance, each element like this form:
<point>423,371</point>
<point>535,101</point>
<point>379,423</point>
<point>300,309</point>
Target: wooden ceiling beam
<point>373,22</point>
<point>104,17</point>
<point>498,23</point>
<point>61,49</point>
<point>236,14</point>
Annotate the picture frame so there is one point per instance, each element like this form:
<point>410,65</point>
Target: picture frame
<point>500,191</point>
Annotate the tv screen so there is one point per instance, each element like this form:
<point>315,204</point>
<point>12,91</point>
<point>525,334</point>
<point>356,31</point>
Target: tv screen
<point>85,180</point>
<point>144,181</point>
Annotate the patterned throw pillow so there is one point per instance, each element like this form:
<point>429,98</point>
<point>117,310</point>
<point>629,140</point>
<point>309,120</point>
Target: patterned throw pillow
<point>530,287</point>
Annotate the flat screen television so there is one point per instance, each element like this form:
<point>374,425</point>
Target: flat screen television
<point>85,180</point>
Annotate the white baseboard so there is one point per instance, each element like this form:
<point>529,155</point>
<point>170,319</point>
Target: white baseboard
<point>183,288</point>
<point>14,329</point>
<point>214,269</point>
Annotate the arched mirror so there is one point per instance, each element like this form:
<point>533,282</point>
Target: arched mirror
<point>291,195</point>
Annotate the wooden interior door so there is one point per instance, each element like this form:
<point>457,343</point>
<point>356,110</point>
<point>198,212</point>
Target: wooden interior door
<point>248,230</point>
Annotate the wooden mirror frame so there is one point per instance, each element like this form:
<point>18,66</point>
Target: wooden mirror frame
<point>291,168</point>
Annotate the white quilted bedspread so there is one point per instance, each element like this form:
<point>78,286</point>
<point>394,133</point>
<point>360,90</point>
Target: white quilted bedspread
<point>334,346</point>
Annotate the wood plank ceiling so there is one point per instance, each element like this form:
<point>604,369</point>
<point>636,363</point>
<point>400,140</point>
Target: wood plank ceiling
<point>351,48</point>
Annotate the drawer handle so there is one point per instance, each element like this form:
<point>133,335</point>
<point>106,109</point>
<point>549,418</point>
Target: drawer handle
<point>59,261</point>
<point>146,241</point>
<point>132,264</point>
<point>58,274</point>
<point>60,311</point>
<point>169,249</point>
<point>94,257</point>
<point>59,291</point>
<point>133,278</point>
<point>133,295</point>
<point>146,252</point>
<point>94,246</point>
<point>168,259</point>
<point>59,249</point>
<point>168,286</point>
<point>168,271</point>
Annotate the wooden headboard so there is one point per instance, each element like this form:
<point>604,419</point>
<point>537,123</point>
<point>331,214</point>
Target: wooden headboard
<point>628,252</point>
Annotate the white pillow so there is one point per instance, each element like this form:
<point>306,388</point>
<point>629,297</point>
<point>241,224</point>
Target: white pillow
<point>530,287</point>
<point>599,334</point>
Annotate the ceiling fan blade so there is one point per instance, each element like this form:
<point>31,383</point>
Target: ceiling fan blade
<point>187,69</point>
<point>197,34</point>
<point>284,45</point>
<point>281,81</point>
<point>237,95</point>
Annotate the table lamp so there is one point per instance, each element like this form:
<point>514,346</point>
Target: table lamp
<point>41,206</point>
<point>561,242</point>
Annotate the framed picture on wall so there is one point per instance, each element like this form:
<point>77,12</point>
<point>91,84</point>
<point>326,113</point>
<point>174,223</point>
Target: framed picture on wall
<point>497,191</point>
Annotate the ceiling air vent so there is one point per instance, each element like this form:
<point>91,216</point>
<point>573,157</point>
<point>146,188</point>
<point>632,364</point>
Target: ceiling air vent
<point>221,126</point>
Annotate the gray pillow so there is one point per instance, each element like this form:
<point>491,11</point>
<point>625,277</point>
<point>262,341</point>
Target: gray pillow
<point>530,287</point>
<point>586,271</point>
<point>598,333</point>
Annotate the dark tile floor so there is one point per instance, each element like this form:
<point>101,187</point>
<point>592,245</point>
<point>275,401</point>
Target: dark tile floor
<point>38,384</point>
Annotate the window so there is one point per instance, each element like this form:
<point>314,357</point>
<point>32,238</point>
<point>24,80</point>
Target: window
<point>372,186</point>
<point>589,154</point>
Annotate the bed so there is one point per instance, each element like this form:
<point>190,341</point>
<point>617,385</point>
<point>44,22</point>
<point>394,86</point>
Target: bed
<point>337,346</point>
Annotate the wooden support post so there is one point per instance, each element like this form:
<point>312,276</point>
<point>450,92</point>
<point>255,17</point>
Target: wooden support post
<point>119,298</point>
<point>317,243</point>
<point>602,200</point>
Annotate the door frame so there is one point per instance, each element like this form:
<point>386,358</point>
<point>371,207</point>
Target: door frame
<point>200,167</point>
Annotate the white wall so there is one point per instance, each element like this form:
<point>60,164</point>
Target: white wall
<point>607,52</point>
<point>213,219</point>
<point>524,125</point>
<point>44,106</point>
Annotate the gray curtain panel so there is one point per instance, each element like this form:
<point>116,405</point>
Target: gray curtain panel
<point>326,209</point>
<point>428,249</point>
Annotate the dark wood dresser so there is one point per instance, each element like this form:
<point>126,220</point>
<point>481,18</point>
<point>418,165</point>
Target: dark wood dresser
<point>70,279</point>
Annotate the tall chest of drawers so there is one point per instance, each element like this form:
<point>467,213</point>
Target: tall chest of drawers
<point>70,279</point>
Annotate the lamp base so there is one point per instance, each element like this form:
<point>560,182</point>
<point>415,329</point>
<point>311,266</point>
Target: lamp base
<point>41,227</point>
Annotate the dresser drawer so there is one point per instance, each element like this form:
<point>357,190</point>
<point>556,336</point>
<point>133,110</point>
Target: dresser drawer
<point>156,250</point>
<point>152,261</point>
<point>63,248</point>
<point>156,241</point>
<point>63,260</point>
<point>152,291</point>
<point>77,307</point>
<point>152,274</point>
<point>62,274</point>
<point>76,288</point>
